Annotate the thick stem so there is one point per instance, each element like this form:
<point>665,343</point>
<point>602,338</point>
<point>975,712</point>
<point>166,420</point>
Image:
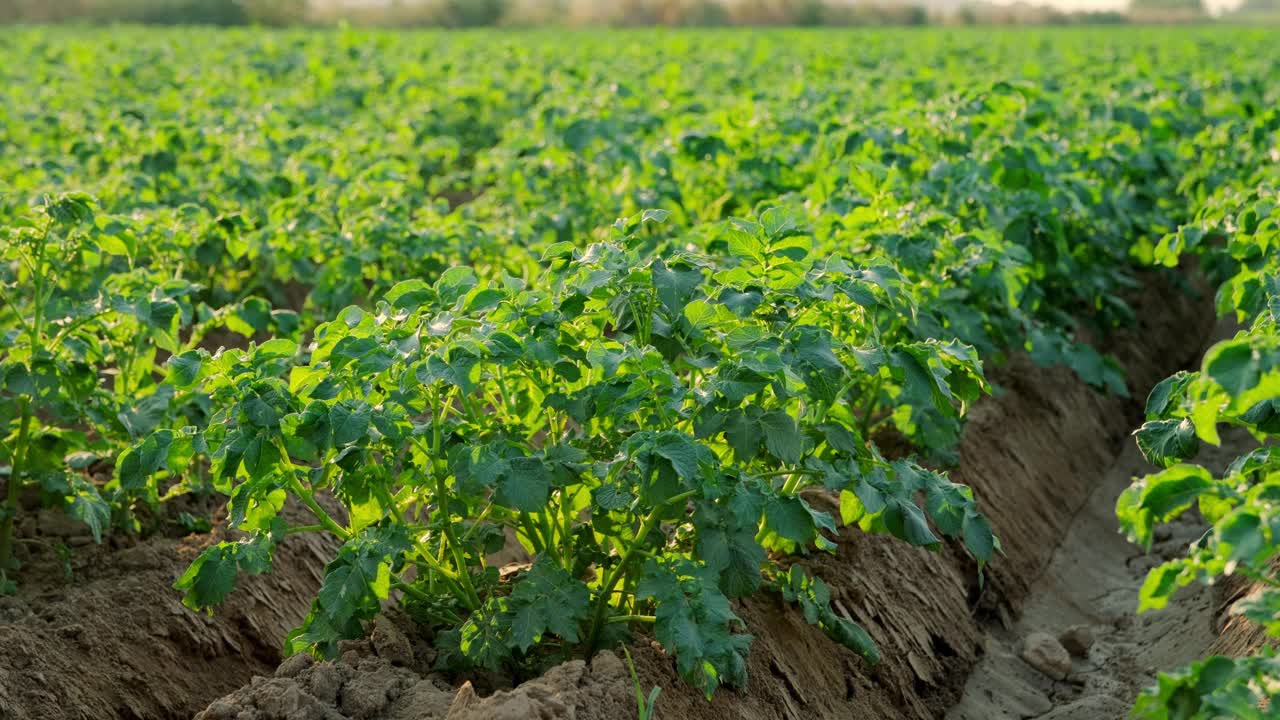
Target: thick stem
<point>13,487</point>
<point>619,571</point>
<point>455,548</point>
<point>308,498</point>
<point>792,482</point>
<point>871,406</point>
<point>531,532</point>
<point>646,619</point>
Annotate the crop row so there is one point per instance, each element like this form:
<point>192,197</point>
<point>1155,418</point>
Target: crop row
<point>386,268</point>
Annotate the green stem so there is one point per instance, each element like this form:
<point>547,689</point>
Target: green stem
<point>296,529</point>
<point>871,406</point>
<point>647,619</point>
<point>455,548</point>
<point>787,472</point>
<point>307,496</point>
<point>484,514</point>
<point>549,535</point>
<point>14,486</point>
<point>616,574</point>
<point>793,482</point>
<point>422,597</point>
<point>38,271</point>
<point>566,516</point>
<point>531,531</point>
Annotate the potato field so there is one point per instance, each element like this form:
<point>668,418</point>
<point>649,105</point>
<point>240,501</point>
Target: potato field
<point>893,374</point>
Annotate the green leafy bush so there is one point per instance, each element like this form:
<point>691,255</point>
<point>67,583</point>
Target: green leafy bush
<point>647,424</point>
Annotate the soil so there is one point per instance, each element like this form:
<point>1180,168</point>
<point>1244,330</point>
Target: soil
<point>116,643</point>
<point>99,633</point>
<point>1090,590</point>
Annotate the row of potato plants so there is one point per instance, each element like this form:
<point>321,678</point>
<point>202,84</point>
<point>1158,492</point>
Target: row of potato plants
<point>1235,237</point>
<point>649,409</point>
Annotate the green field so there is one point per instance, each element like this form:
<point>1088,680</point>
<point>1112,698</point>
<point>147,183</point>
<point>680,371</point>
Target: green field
<point>623,298</point>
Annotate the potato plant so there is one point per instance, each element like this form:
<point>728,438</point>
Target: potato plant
<point>1237,237</point>
<point>648,425</point>
<point>87,330</point>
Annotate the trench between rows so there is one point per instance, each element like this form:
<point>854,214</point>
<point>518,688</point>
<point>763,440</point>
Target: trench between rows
<point>1085,598</point>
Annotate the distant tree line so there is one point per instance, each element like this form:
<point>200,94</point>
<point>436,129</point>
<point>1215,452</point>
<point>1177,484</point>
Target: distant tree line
<point>519,13</point>
<point>156,12</point>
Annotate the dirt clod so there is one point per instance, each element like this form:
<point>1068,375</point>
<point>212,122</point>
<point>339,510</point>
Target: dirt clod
<point>294,664</point>
<point>1077,639</point>
<point>390,642</point>
<point>1043,652</point>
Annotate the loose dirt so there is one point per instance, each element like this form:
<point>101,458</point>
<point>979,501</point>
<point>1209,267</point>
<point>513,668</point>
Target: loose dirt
<point>1079,650</point>
<point>99,633</point>
<point>1086,601</point>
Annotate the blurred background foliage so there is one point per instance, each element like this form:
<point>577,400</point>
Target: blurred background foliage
<point>613,13</point>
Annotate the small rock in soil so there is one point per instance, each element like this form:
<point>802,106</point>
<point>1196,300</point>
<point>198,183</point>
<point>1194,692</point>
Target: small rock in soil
<point>1077,639</point>
<point>1043,652</point>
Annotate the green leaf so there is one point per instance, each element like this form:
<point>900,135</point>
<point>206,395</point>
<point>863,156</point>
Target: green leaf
<point>184,369</point>
<point>699,313</point>
<point>355,585</point>
<point>906,520</point>
<point>782,437</point>
<point>1159,498</point>
<point>409,294</point>
<point>979,538</point>
<point>86,505</point>
<point>1242,537</point>
<point>682,451</point>
<point>726,542</point>
<point>525,485</point>
<point>1163,395</point>
<point>209,579</point>
<point>547,599</point>
<point>350,422</point>
<point>139,462</point>
<point>1167,442</point>
<point>1236,365</point>
<point>790,517</point>
<point>695,622</point>
<point>814,598</point>
<point>275,349</point>
<point>485,638</point>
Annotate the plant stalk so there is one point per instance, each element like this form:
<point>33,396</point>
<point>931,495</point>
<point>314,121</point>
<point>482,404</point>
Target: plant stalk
<point>619,571</point>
